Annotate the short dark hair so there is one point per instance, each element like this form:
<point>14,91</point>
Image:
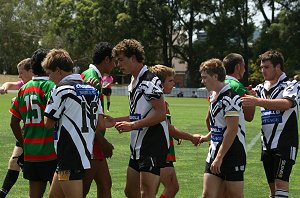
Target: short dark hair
<point>36,61</point>
<point>58,58</point>
<point>231,60</point>
<point>274,56</point>
<point>130,47</point>
<point>102,50</point>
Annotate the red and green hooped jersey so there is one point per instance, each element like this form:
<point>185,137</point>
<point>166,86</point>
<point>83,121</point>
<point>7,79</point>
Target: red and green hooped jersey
<point>93,72</point>
<point>171,155</point>
<point>29,106</point>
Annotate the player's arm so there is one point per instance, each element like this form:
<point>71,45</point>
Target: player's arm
<point>156,115</point>
<point>207,137</point>
<point>179,134</point>
<point>272,104</point>
<point>9,86</point>
<point>232,123</point>
<point>106,146</point>
<point>249,112</point>
<point>16,128</point>
<point>49,123</point>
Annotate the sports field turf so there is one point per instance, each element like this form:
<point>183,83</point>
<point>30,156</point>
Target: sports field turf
<point>187,114</point>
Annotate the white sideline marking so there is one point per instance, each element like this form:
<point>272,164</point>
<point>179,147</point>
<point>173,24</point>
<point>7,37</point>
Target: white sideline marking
<point>253,142</point>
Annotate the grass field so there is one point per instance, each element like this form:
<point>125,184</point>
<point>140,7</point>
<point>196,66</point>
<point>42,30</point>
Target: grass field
<point>187,114</point>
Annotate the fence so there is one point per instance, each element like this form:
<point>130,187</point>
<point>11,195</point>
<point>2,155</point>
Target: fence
<point>176,92</point>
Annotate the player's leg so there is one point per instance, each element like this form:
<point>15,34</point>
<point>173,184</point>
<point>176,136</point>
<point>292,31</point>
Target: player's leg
<point>269,168</point>
<point>37,188</point>
<point>102,178</point>
<point>132,188</point>
<point>38,174</point>
<point>282,176</point>
<point>235,189</point>
<point>210,180</point>
<point>108,102</point>
<point>67,183</point>
<point>89,177</point>
<point>149,183</point>
<point>169,179</point>
<point>12,172</point>
<point>222,191</point>
<point>55,188</point>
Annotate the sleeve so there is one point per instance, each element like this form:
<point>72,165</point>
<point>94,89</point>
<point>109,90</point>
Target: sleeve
<point>55,105</point>
<point>232,105</point>
<point>292,92</point>
<point>152,89</point>
<point>14,110</point>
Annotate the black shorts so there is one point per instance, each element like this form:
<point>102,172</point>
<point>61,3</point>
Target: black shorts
<point>106,91</point>
<point>276,167</point>
<point>146,165</point>
<point>67,175</point>
<point>228,173</point>
<point>39,171</point>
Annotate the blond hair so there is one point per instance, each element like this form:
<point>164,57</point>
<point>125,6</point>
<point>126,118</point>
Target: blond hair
<point>214,66</point>
<point>58,58</point>
<point>162,72</point>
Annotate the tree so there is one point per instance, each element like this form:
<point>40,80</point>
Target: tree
<point>22,26</point>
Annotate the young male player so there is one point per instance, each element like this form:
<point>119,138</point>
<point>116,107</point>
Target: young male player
<point>37,141</point>
<point>279,102</point>
<point>149,136</point>
<point>226,159</point>
<point>76,109</point>
<point>168,174</point>
<point>25,74</point>
<point>99,171</point>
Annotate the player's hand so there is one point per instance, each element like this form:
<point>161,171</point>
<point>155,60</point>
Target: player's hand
<point>196,139</point>
<point>109,121</point>
<point>249,100</point>
<point>107,148</point>
<point>3,90</point>
<point>204,138</point>
<point>124,126</point>
<point>215,167</point>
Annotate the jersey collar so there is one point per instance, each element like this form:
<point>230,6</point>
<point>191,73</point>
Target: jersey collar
<point>231,78</point>
<point>40,78</point>
<point>281,78</point>
<point>93,67</point>
<point>134,83</point>
<point>76,77</point>
<point>214,96</point>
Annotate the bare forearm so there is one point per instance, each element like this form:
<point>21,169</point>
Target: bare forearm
<point>154,117</point>
<point>276,104</point>
<point>16,128</point>
<point>178,134</point>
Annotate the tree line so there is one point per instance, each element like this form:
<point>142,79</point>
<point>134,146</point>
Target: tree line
<point>167,28</point>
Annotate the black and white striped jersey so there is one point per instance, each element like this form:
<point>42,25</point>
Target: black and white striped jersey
<point>147,141</point>
<point>227,103</point>
<point>76,107</point>
<point>280,128</point>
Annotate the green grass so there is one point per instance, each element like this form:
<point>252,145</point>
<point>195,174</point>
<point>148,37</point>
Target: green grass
<point>188,114</point>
